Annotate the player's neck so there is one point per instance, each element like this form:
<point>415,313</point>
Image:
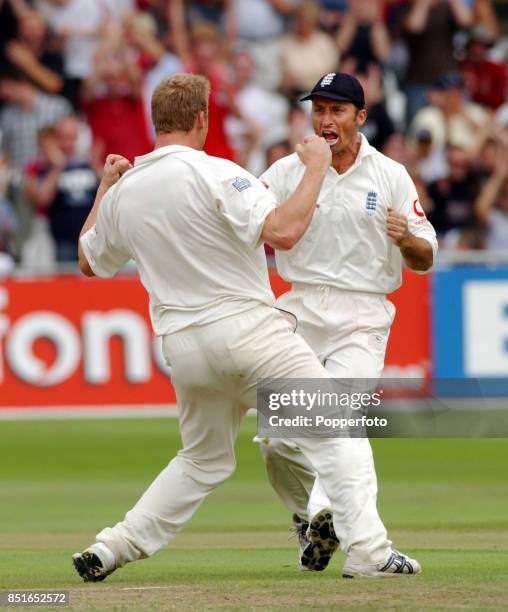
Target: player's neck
<point>186,139</point>
<point>343,160</point>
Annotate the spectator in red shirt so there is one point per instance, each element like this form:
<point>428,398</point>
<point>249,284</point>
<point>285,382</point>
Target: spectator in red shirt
<point>202,53</point>
<point>112,98</point>
<point>485,80</point>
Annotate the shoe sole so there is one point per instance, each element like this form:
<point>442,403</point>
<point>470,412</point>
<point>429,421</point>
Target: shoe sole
<point>84,570</point>
<point>323,543</point>
<point>346,573</point>
<point>377,575</point>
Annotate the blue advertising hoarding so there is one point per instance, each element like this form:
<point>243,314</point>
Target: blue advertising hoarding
<point>470,329</point>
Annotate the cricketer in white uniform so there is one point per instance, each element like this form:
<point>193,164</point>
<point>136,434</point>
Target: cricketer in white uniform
<point>195,225</point>
<point>367,221</point>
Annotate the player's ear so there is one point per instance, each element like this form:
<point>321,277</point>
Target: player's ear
<point>201,120</point>
<point>361,117</point>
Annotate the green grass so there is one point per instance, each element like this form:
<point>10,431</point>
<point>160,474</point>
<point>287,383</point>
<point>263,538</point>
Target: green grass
<point>445,501</point>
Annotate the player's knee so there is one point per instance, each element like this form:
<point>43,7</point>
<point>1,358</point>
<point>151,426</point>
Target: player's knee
<point>225,468</point>
<point>209,471</point>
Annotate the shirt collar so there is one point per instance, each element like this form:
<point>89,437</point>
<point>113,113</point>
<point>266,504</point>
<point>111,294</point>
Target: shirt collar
<point>161,152</point>
<point>365,148</point>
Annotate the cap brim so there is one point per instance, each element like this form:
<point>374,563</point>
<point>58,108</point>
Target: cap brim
<point>330,96</point>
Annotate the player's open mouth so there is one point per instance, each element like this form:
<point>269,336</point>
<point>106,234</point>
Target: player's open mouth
<point>331,138</point>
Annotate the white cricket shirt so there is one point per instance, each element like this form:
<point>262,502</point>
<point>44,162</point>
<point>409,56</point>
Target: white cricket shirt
<point>192,223</point>
<point>346,245</point>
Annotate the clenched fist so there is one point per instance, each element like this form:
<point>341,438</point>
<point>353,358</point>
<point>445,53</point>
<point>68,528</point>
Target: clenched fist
<point>397,228</point>
<point>115,166</point>
<point>315,153</point>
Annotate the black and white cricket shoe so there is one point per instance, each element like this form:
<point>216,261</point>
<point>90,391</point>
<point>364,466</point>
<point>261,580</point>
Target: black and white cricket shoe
<point>89,566</point>
<point>396,565</point>
<point>300,527</point>
<point>322,542</point>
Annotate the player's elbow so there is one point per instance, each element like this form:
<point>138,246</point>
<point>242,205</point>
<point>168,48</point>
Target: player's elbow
<point>286,242</point>
<point>283,241</point>
<point>422,265</point>
<point>427,266</point>
<point>421,269</point>
<point>281,237</point>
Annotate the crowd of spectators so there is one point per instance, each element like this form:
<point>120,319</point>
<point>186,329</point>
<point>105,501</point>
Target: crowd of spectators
<point>76,77</point>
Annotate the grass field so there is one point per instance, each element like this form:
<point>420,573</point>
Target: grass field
<point>444,501</point>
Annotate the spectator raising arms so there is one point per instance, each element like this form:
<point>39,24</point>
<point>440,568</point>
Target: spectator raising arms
<point>363,35</point>
<point>62,184</point>
<point>378,126</point>
<point>78,23</point>
<point>450,117</point>
<point>440,63</point>
<point>491,206</point>
<point>485,80</point>
<point>201,52</point>
<point>264,116</point>
<point>112,98</point>
<point>35,54</point>
<point>453,197</point>
<point>259,26</point>
<point>429,29</point>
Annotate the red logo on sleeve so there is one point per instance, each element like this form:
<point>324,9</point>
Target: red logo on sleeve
<point>417,208</point>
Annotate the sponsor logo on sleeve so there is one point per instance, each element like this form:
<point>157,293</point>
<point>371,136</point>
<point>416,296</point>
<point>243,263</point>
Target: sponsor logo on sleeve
<point>241,184</point>
<point>417,209</point>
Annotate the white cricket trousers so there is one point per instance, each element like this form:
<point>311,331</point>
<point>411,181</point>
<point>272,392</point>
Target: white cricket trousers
<point>348,331</point>
<point>215,371</point>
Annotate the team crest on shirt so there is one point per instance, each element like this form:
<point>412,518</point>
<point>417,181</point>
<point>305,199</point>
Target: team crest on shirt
<point>371,203</point>
<point>241,184</point>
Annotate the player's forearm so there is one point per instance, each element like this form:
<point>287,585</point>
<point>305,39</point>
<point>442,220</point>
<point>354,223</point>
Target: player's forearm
<point>286,224</point>
<point>92,216</point>
<point>114,168</point>
<point>417,253</point>
<point>84,266</point>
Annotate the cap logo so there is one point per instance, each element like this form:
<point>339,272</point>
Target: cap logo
<point>327,79</point>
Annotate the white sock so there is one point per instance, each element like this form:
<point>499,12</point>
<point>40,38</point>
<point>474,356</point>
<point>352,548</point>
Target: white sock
<point>105,555</point>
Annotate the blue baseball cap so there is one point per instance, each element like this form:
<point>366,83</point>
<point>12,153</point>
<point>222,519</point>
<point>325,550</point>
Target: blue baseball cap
<point>338,86</point>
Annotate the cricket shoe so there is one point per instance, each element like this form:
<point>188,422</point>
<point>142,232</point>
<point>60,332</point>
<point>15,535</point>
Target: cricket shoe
<point>299,529</point>
<point>396,565</point>
<point>91,567</point>
<point>322,542</point>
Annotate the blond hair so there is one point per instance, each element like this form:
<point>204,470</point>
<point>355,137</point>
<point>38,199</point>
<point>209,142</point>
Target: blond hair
<point>177,100</point>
